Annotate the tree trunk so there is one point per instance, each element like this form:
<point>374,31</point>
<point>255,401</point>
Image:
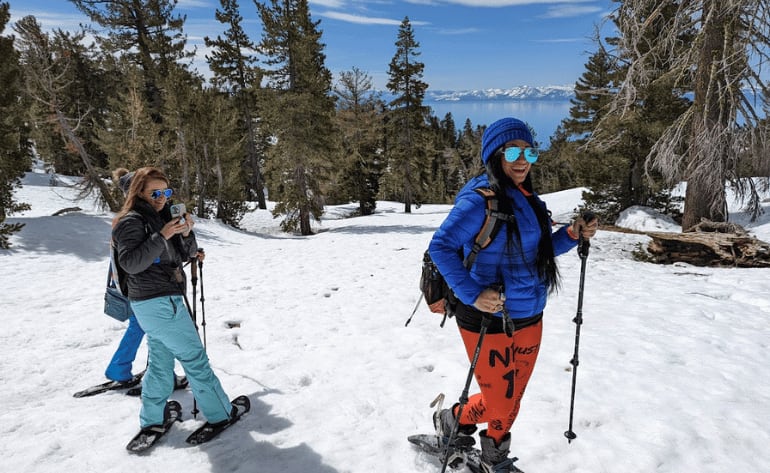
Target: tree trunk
<point>184,191</point>
<point>220,184</point>
<point>202,191</point>
<point>257,183</point>
<point>304,221</point>
<point>303,204</point>
<point>698,200</point>
<point>636,185</point>
<point>705,196</point>
<point>407,188</point>
<point>93,176</point>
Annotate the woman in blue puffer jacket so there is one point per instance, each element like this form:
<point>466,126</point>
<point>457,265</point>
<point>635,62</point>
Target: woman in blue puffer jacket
<point>509,283</point>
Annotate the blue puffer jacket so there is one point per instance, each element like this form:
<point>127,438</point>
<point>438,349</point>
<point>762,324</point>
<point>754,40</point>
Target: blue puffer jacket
<point>514,267</point>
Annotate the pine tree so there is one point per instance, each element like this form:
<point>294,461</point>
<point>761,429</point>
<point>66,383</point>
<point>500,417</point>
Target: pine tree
<point>554,170</point>
<point>145,32</point>
<point>446,167</point>
<point>87,86</point>
<point>359,119</point>
<point>235,71</point>
<point>469,150</point>
<point>47,82</point>
<point>713,49</point>
<point>178,111</point>
<point>148,34</point>
<point>300,112</point>
<point>129,136</point>
<point>448,131</point>
<point>82,92</point>
<point>570,162</point>
<point>408,146</point>
<point>14,152</point>
<point>612,168</point>
<point>216,154</point>
<point>657,103</point>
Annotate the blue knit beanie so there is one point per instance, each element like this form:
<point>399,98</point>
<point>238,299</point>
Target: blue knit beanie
<point>501,132</point>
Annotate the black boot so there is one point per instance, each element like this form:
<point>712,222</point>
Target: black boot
<point>444,421</point>
<point>494,457</point>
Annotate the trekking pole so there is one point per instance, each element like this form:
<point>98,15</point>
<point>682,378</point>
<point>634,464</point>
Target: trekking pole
<point>485,320</point>
<point>203,299</point>
<point>194,279</point>
<point>187,303</point>
<point>416,306</point>
<point>583,246</point>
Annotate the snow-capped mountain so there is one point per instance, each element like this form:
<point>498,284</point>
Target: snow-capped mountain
<point>522,92</point>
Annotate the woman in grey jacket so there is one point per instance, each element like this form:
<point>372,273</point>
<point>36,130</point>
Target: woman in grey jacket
<point>152,247</point>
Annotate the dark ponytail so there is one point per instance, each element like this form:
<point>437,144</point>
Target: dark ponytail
<point>547,269</point>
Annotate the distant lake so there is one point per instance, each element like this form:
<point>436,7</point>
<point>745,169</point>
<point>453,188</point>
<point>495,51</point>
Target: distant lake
<point>543,115</point>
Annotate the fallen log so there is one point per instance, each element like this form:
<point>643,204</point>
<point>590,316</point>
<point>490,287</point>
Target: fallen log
<point>710,244</point>
<point>66,210</point>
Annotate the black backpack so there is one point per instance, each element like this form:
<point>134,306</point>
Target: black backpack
<point>433,287</point>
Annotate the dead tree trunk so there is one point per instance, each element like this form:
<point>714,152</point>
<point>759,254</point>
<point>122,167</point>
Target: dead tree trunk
<point>710,244</point>
<point>91,173</point>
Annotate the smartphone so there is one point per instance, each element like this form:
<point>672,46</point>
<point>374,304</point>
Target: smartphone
<point>178,210</point>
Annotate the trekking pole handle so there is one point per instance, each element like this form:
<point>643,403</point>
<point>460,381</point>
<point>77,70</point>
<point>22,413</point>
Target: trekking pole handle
<point>583,244</point>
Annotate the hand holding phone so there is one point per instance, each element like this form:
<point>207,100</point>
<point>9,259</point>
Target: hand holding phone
<point>178,210</point>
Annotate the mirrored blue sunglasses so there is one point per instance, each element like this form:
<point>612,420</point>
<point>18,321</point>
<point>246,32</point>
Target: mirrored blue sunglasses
<point>158,192</point>
<point>514,152</point>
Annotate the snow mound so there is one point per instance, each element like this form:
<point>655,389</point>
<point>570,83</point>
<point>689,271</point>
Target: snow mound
<point>645,219</point>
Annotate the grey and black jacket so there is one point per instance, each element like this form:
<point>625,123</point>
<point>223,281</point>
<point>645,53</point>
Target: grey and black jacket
<point>152,264</point>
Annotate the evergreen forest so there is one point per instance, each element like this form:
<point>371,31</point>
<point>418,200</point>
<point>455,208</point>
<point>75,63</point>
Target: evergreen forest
<point>677,94</point>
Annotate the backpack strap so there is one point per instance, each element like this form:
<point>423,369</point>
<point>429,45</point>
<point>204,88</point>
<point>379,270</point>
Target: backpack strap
<point>114,277</point>
<point>492,223</point>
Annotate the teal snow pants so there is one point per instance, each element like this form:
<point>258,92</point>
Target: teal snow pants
<point>171,334</point>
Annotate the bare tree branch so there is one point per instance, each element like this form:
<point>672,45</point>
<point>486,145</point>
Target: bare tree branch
<point>715,51</point>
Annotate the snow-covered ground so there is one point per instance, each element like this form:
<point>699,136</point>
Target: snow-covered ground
<point>674,371</point>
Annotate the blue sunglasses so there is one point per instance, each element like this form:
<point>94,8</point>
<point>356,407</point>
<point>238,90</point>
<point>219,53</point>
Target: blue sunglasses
<point>514,152</point>
<point>165,192</point>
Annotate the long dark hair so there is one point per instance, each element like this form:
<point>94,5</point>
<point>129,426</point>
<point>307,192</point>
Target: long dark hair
<point>547,269</point>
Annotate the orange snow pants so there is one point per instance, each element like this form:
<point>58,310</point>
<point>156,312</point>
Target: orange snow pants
<point>502,372</point>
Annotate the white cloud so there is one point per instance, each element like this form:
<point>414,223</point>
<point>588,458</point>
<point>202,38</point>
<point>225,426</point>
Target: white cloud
<point>329,3</point>
<point>494,3</point>
<point>50,20</point>
<point>568,11</point>
<point>366,20</point>
<point>197,4</point>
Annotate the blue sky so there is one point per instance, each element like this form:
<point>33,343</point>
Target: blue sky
<point>464,44</point>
